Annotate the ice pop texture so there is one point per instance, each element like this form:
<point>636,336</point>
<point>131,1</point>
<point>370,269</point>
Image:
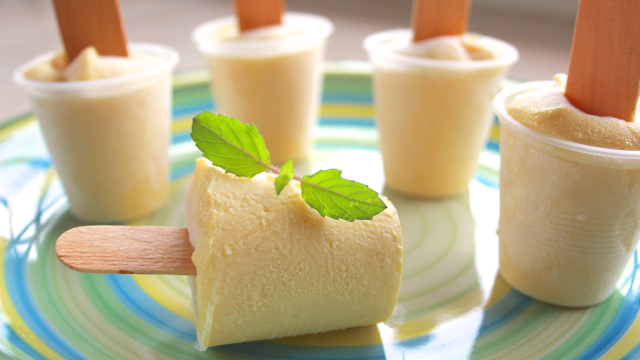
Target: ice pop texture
<point>548,111</point>
<point>89,65</point>
<point>569,212</point>
<point>433,103</point>
<point>270,77</point>
<point>106,122</point>
<point>270,266</point>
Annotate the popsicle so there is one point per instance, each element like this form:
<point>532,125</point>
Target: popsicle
<point>433,88</point>
<point>267,266</point>
<point>97,100</point>
<point>570,202</point>
<point>267,70</point>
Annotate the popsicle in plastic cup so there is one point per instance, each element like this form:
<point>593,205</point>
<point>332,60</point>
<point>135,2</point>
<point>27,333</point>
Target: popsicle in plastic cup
<point>107,123</point>
<point>569,196</point>
<point>270,76</point>
<point>433,106</point>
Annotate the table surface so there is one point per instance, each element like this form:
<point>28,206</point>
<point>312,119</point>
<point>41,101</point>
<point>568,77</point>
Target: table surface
<point>28,28</point>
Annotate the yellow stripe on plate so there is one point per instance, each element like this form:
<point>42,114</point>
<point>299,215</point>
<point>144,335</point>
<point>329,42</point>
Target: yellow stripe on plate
<point>164,295</point>
<point>15,127</point>
<point>471,303</point>
<point>355,111</point>
<point>495,133</point>
<point>13,317</point>
<point>181,125</point>
<point>628,341</point>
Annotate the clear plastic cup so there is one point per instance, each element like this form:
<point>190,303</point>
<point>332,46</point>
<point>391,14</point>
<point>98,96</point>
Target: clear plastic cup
<point>569,213</point>
<point>433,116</point>
<point>108,138</point>
<point>270,79</point>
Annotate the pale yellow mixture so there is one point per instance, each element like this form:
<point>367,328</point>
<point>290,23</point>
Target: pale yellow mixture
<point>270,266</point>
<point>548,111</point>
<point>109,142</point>
<point>89,65</point>
<point>569,222</point>
<point>433,108</point>
<point>263,79</point>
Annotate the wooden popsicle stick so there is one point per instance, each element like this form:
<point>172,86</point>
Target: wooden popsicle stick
<point>433,18</point>
<point>253,14</point>
<point>95,23</point>
<point>604,71</point>
<point>127,250</point>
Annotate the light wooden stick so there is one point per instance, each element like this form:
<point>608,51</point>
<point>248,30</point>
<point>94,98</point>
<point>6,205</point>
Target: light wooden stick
<point>95,23</point>
<point>604,71</point>
<point>253,14</point>
<point>433,18</point>
<point>127,250</point>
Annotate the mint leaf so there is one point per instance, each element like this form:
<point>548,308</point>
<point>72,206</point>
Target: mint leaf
<point>286,174</point>
<point>239,149</point>
<point>338,198</point>
<point>235,147</point>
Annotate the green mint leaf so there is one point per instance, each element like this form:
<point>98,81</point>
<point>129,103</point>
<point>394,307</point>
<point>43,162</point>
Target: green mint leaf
<point>338,198</point>
<point>286,174</point>
<point>235,147</point>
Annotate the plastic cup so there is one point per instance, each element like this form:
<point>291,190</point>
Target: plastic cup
<point>273,82</point>
<point>569,213</point>
<point>433,116</point>
<point>108,138</point>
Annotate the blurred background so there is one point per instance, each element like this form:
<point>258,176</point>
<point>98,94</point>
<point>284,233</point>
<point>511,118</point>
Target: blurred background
<point>541,30</point>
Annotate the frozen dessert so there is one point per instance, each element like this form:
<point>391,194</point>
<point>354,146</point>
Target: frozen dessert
<point>569,196</point>
<point>106,122</point>
<point>270,266</point>
<point>433,106</point>
<point>270,77</point>
<point>547,110</point>
<point>89,65</point>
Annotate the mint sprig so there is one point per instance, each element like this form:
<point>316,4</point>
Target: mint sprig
<point>338,198</point>
<point>286,174</point>
<point>239,149</point>
<point>230,144</point>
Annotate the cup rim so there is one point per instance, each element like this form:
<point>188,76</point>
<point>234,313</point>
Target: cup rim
<point>168,64</point>
<point>508,94</point>
<point>371,45</point>
<point>207,46</point>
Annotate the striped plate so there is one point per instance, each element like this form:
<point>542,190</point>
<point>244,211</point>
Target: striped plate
<point>452,303</point>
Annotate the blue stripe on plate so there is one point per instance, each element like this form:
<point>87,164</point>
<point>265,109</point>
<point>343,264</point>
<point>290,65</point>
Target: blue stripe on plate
<point>486,181</point>
<point>125,288</point>
<point>347,98</point>
<point>17,341</point>
<point>16,265</point>
<point>493,145</point>
<point>634,354</point>
<point>624,318</point>
<point>178,172</point>
<point>504,311</point>
<point>193,109</point>
<point>346,121</point>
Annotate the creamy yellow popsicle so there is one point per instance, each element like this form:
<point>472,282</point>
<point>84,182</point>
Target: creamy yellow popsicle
<point>570,196</point>
<point>270,77</point>
<point>433,106</point>
<point>106,122</point>
<point>270,266</point>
